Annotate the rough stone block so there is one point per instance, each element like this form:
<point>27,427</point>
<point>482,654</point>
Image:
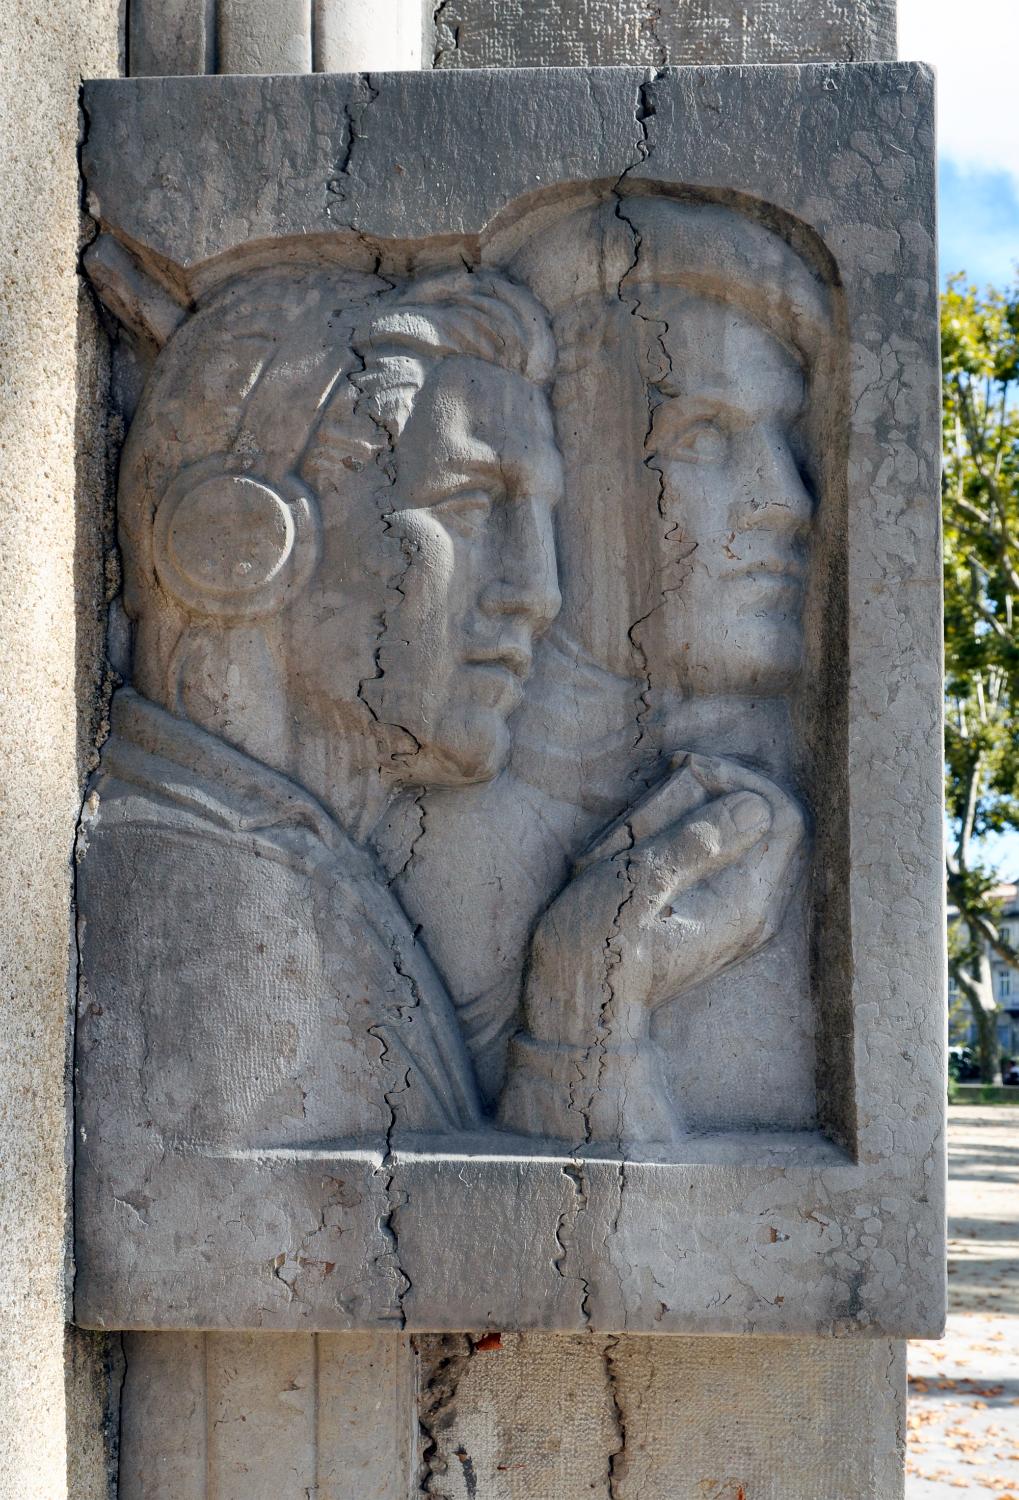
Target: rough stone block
<point>533,33</point>
<point>510,896</point>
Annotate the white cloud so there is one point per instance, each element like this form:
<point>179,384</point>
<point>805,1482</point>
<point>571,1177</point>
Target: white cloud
<point>975,47</point>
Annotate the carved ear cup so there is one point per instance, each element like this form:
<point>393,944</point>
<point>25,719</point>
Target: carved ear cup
<point>234,547</point>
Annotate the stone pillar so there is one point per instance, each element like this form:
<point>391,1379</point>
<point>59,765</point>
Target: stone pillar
<point>167,37</point>
<point>537,1415</point>
<point>52,459</point>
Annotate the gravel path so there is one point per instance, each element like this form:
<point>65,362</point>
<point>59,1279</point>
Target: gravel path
<point>963,1423</point>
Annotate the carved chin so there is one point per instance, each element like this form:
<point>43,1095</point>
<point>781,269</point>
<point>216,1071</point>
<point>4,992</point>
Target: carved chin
<point>764,654</point>
<point>769,661</point>
<point>475,750</point>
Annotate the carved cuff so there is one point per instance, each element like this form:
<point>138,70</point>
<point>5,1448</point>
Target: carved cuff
<point>607,1093</point>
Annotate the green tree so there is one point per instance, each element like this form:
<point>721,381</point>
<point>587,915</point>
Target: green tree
<point>980,493</point>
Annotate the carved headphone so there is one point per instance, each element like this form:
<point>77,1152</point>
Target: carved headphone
<point>233,546</point>
<point>227,543</point>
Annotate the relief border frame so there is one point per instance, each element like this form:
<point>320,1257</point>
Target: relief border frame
<point>439,1241</point>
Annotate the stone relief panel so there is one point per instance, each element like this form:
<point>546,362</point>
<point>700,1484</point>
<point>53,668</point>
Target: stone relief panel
<point>338,523</point>
<point>467,858</point>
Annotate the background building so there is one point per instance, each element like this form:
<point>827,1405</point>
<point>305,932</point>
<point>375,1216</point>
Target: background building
<point>1002,977</point>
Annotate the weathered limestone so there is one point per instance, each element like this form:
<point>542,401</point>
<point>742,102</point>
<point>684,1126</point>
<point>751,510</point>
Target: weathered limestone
<point>687,1419</point>
<point>52,459</point>
<point>662,33</point>
<point>171,37</point>
<point>260,1414</point>
<point>316,990</point>
<point>43,63</point>
<point>252,36</point>
<point>520,1417</point>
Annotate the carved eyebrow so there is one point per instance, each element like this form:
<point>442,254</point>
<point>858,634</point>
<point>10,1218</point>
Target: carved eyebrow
<point>460,478</point>
<point>713,401</point>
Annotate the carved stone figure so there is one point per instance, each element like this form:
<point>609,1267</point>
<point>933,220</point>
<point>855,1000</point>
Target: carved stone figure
<point>335,514</point>
<point>689,336</point>
<point>704,326</point>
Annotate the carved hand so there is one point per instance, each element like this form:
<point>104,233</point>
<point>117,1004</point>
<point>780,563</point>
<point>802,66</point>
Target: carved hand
<point>693,878</point>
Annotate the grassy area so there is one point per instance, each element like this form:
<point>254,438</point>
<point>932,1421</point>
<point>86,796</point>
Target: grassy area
<point>982,1093</point>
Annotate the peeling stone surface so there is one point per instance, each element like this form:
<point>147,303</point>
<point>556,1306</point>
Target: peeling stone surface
<point>381,957</point>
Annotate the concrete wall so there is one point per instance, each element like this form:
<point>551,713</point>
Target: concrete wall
<point>52,374</point>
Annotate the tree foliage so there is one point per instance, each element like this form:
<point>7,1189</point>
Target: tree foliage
<point>980,494</point>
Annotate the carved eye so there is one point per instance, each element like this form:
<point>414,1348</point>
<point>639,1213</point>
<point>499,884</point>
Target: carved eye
<point>702,442</point>
<point>467,515</point>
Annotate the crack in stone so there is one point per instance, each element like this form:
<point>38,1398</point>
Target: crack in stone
<point>614,1229</point>
<point>387,1222</point>
<point>644,110</point>
<point>385,459</point>
<point>437,1409</point>
<point>442,30</point>
<point>568,1220</point>
<point>651,23</point>
<point>353,116</point>
<point>644,711</point>
<point>606,1017</point>
<point>422,812</point>
<point>616,1455</point>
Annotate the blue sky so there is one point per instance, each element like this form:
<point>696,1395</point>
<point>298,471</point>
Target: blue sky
<point>979,219</point>
<point>975,49</point>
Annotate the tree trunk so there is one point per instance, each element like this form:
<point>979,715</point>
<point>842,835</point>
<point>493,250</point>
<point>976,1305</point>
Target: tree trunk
<point>987,1041</point>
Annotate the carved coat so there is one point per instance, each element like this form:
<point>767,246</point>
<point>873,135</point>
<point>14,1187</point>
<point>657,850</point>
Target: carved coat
<point>247,979</point>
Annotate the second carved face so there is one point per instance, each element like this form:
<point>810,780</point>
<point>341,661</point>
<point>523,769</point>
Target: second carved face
<point>736,505</point>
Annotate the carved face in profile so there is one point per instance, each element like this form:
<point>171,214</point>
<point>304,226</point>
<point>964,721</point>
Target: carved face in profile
<point>336,511</point>
<point>690,335</point>
<point>477,476</point>
<point>737,509</point>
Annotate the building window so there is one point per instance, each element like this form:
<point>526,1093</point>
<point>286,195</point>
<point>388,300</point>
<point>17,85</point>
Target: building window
<point>1005,932</point>
<point>1004,984</point>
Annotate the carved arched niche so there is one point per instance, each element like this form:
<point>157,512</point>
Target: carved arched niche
<point>291,471</point>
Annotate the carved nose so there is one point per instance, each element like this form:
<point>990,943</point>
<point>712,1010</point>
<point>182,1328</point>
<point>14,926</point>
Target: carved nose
<point>528,586</point>
<point>537,600</point>
<point>781,499</point>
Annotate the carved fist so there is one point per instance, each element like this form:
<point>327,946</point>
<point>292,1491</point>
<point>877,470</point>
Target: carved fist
<point>693,878</point>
